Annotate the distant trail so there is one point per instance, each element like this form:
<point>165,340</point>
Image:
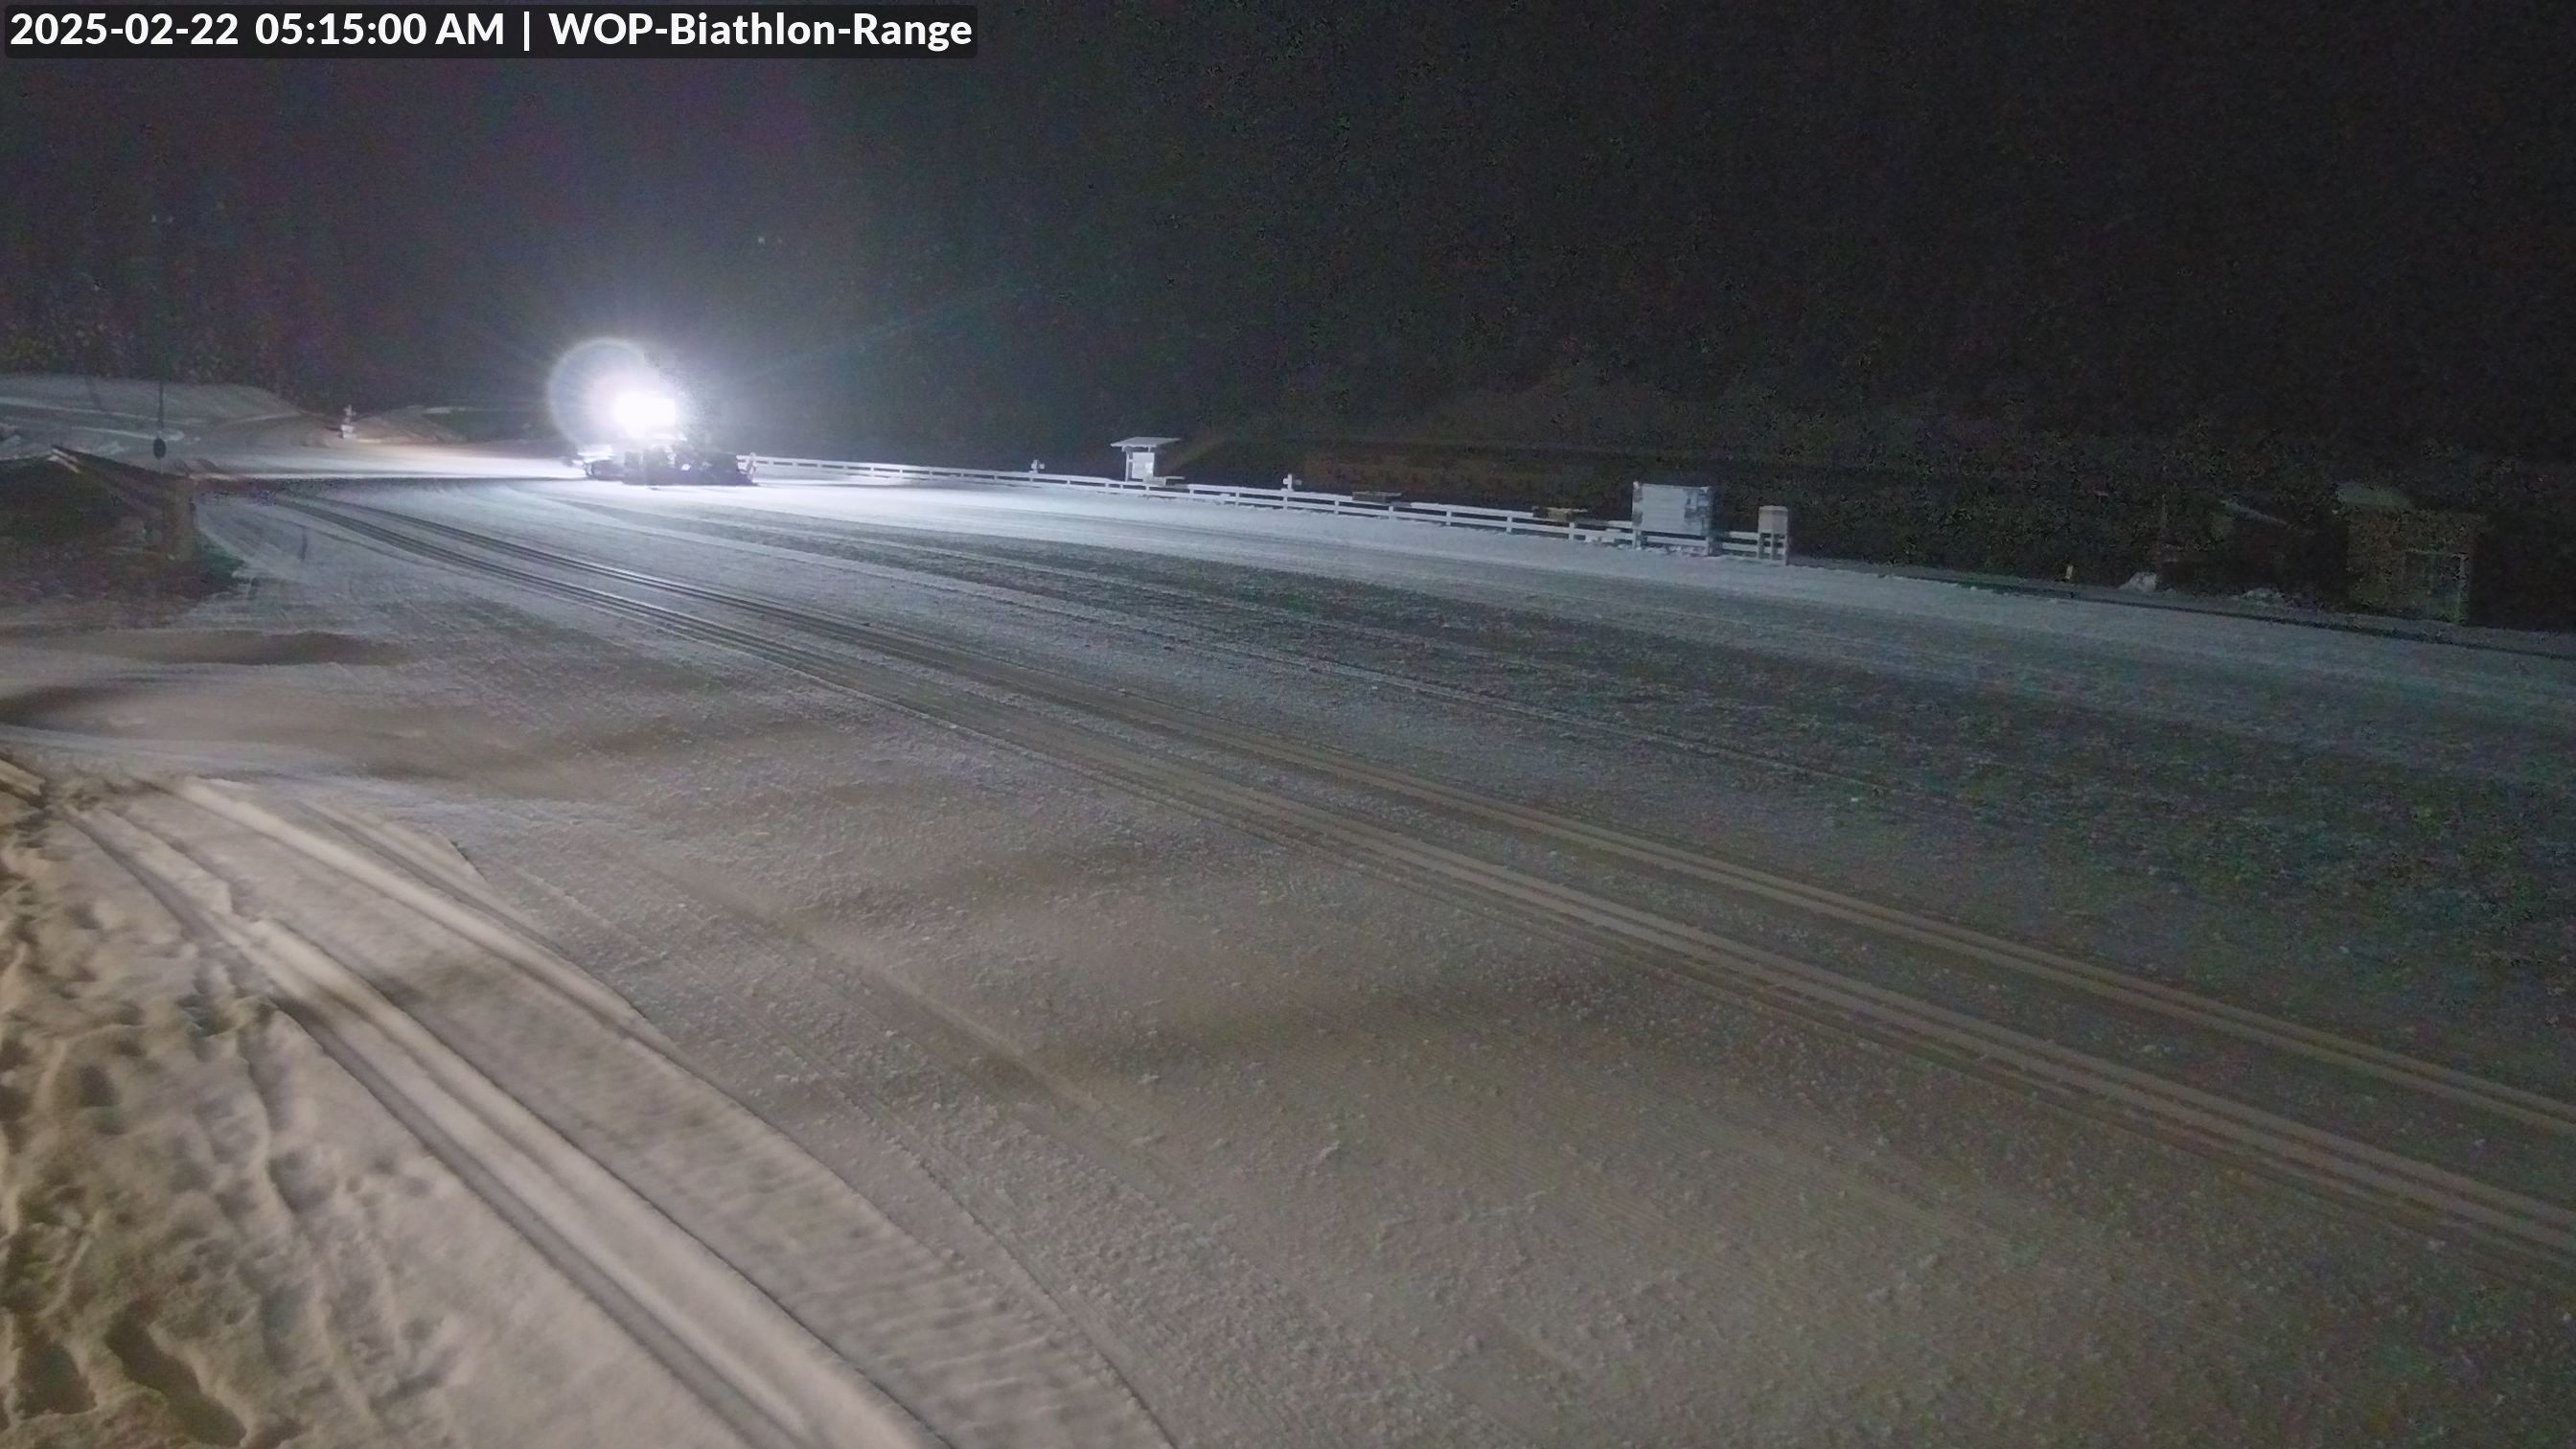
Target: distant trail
<point>2512,1225</point>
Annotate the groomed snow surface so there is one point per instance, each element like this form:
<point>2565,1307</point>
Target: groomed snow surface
<point>206,426</point>
<point>1005,966</point>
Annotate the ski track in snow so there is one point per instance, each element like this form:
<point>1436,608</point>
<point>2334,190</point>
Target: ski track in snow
<point>214,1237</point>
<point>383,952</point>
<point>1293,1152</point>
<point>2393,788</point>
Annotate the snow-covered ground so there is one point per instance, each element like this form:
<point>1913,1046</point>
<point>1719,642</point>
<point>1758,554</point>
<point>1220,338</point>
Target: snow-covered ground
<point>215,1235</point>
<point>1100,970</point>
<point>120,417</point>
<point>229,427</point>
<point>189,955</point>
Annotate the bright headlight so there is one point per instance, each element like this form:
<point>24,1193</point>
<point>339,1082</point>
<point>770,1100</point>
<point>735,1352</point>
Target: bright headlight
<point>643,412</point>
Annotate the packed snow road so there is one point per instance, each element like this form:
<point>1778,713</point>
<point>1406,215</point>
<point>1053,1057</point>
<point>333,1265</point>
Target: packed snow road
<point>1250,980</point>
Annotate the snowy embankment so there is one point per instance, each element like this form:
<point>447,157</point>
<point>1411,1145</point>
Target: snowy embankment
<point>232,429</point>
<point>265,1180</point>
<point>119,417</point>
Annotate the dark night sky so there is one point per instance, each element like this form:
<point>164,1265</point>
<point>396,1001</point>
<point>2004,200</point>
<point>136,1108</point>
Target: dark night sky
<point>1156,216</point>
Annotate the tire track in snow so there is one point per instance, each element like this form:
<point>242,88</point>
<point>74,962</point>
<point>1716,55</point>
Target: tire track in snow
<point>2511,1225</point>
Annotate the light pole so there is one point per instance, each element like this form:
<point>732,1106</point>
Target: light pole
<point>161,325</point>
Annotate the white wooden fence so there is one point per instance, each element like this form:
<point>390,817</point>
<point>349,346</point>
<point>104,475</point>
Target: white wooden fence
<point>1769,543</point>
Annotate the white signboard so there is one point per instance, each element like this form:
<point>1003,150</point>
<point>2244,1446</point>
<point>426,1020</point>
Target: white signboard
<point>1675,508</point>
<point>1140,456</point>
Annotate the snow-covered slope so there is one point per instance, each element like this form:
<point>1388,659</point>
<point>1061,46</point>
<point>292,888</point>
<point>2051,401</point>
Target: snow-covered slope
<point>216,429</point>
<point>118,416</point>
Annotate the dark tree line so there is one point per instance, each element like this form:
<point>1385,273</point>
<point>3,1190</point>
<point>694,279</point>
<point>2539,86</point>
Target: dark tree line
<point>153,275</point>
